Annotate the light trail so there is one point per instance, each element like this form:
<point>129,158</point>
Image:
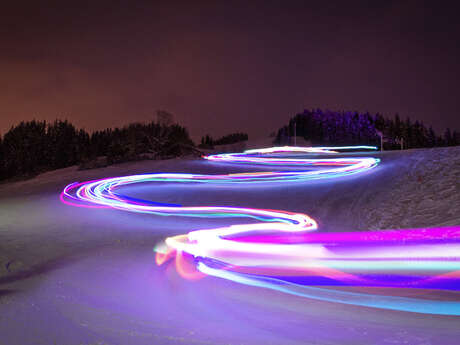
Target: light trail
<point>279,250</point>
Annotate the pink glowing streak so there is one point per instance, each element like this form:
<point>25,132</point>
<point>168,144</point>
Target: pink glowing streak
<point>283,244</point>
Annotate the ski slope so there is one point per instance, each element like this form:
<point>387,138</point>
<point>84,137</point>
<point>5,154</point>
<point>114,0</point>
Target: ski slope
<point>79,276</point>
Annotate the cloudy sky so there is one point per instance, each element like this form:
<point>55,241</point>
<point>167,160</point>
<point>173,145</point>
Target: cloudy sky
<point>227,66</point>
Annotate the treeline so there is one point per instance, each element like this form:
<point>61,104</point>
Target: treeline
<point>36,146</point>
<point>353,128</point>
<point>208,142</point>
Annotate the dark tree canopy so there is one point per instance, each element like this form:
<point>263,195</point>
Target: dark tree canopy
<point>353,128</point>
<point>208,142</point>
<point>33,147</point>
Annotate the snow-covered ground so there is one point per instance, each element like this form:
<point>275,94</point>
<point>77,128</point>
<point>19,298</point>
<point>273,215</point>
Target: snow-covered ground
<point>86,276</point>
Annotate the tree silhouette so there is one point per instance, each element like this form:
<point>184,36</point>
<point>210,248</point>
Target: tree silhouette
<point>32,147</point>
<point>352,128</point>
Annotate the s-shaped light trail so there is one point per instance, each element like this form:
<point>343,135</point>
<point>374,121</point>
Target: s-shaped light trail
<point>280,250</point>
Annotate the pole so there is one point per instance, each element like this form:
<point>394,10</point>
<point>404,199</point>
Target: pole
<point>380,134</point>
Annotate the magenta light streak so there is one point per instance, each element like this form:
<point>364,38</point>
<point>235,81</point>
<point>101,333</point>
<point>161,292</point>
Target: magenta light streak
<point>281,251</point>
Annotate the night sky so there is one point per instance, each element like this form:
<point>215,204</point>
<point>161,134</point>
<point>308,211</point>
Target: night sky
<point>225,67</point>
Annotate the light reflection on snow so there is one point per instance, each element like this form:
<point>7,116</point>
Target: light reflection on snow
<point>281,251</point>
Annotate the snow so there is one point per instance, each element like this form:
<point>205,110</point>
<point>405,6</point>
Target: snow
<point>79,276</point>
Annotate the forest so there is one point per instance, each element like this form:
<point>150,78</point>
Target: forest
<point>352,128</point>
<point>37,146</point>
<point>32,147</point>
<point>208,142</point>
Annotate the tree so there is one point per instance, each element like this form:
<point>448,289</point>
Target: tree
<point>448,139</point>
<point>62,144</point>
<point>432,141</point>
<point>24,149</point>
<point>456,138</point>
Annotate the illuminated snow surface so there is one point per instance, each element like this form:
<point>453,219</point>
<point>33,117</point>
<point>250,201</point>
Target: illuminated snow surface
<point>77,276</point>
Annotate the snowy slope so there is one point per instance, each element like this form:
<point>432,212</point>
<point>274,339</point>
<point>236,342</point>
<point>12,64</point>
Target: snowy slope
<point>91,272</point>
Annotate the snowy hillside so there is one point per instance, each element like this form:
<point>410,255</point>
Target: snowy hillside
<point>91,271</point>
